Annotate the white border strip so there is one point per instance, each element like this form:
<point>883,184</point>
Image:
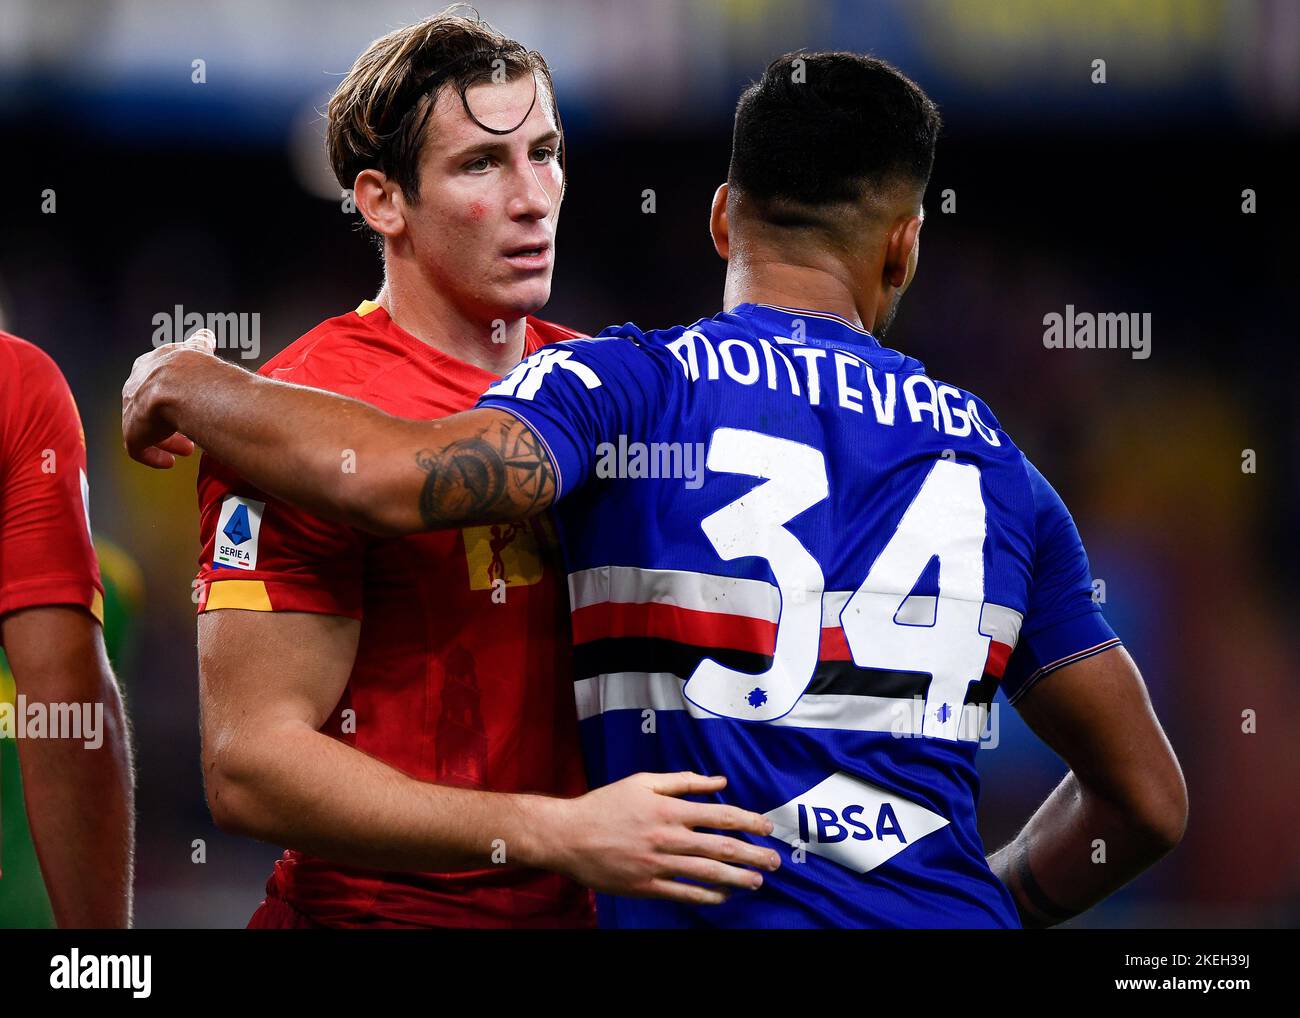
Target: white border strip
<point>755,599</point>
<point>662,691</point>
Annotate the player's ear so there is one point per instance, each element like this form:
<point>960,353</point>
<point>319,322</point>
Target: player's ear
<point>902,252</point>
<point>381,202</point>
<point>719,227</point>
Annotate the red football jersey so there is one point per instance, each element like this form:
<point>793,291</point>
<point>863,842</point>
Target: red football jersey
<point>453,683</point>
<point>47,556</point>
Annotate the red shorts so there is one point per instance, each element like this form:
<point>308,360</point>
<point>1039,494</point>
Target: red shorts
<point>278,914</point>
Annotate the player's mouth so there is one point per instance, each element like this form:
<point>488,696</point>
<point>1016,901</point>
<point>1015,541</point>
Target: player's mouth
<point>530,257</point>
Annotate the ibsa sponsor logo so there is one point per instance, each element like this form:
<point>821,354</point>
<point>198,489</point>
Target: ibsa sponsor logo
<point>238,528</point>
<point>853,822</point>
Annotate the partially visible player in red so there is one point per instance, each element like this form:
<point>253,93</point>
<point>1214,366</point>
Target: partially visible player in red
<point>399,712</point>
<point>78,790</point>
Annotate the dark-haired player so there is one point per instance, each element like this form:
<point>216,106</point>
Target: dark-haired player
<point>826,618</point>
<point>398,712</point>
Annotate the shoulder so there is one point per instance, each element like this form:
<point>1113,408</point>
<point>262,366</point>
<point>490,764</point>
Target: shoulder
<point>34,363</point>
<point>341,354</point>
<point>629,347</point>
<point>561,342</point>
<point>1049,508</point>
<point>682,344</point>
<point>632,338</point>
<point>32,388</point>
<point>960,410</point>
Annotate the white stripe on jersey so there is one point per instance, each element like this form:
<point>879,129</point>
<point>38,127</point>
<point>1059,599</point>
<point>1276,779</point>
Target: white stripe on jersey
<point>662,691</point>
<point>755,599</point>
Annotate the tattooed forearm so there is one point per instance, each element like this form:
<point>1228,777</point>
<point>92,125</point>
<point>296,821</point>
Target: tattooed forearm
<point>500,473</point>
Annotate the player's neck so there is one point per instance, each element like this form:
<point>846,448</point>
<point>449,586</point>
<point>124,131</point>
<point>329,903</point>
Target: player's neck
<point>493,344</point>
<point>755,279</point>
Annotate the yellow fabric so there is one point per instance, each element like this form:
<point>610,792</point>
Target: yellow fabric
<point>250,595</point>
<point>502,551</point>
<point>365,307</point>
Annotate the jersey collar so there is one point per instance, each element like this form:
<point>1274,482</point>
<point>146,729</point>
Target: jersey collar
<point>821,328</point>
<point>820,324</point>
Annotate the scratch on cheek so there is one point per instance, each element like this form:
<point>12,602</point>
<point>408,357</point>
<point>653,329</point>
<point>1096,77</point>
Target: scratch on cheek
<point>476,211</point>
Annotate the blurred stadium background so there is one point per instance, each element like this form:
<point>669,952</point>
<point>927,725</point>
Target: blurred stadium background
<point>1118,197</point>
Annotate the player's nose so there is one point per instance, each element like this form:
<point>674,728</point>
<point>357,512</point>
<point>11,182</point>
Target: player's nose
<point>530,198</point>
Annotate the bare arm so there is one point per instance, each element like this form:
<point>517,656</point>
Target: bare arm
<point>79,799</point>
<point>270,774</point>
<point>1125,789</point>
<point>336,457</point>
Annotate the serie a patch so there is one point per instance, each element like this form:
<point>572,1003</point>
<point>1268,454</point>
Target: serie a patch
<point>238,528</point>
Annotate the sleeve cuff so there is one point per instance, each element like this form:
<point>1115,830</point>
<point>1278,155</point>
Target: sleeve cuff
<point>1050,649</point>
<point>53,590</point>
<point>557,444</point>
<point>273,595</point>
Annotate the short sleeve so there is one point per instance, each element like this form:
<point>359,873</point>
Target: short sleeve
<point>1063,623</point>
<point>260,554</point>
<point>579,394</point>
<point>47,556</point>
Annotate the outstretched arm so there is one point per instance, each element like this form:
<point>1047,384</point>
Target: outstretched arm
<point>336,457</point>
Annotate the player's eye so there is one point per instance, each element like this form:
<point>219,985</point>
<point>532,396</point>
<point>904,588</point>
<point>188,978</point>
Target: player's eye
<point>543,153</point>
<point>479,164</point>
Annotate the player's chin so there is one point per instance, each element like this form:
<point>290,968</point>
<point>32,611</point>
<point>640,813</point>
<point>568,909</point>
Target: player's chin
<point>524,296</point>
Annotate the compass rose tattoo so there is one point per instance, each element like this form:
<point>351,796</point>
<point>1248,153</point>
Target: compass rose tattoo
<point>501,473</point>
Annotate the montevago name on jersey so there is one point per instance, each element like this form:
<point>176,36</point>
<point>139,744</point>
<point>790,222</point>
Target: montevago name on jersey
<point>823,615</point>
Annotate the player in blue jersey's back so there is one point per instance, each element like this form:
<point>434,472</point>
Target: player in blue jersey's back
<point>794,558</point>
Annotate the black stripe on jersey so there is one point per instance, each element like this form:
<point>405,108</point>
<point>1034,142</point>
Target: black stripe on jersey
<point>652,654</point>
<point>984,691</point>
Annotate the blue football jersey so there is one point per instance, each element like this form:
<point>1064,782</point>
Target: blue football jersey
<point>796,560</point>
